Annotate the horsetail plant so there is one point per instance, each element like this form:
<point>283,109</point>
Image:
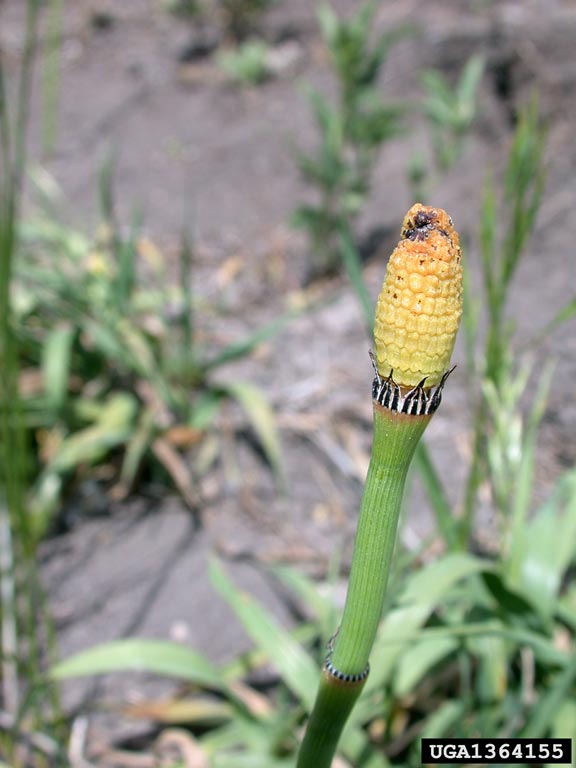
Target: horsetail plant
<point>417,317</point>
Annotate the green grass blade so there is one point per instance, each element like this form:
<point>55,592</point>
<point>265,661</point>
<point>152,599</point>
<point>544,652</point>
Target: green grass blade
<point>419,659</point>
<point>22,605</point>
<point>159,657</point>
<point>565,314</point>
<point>185,262</point>
<point>261,418</point>
<point>492,666</point>
<point>250,760</point>
<point>436,495</point>
<point>402,626</point>
<point>307,590</point>
<point>490,267</point>
<point>244,347</point>
<point>468,83</point>
<point>563,723</point>
<point>540,555</point>
<point>126,253</point>
<point>136,448</point>
<point>114,427</point>
<point>470,321</point>
<point>298,670</point>
<point>51,74</point>
<point>316,598</point>
<point>351,259</point>
<point>549,704</point>
<point>443,719</point>
<point>56,359</point>
<point>525,472</point>
<point>106,190</point>
<point>429,585</point>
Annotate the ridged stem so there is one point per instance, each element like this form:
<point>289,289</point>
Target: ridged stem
<point>395,439</point>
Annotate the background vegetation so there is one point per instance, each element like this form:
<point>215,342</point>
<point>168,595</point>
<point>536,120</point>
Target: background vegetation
<point>112,372</point>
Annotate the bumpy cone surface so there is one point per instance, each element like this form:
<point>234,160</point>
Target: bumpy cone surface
<point>420,304</point>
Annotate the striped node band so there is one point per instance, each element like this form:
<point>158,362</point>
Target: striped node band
<point>331,671</point>
<point>417,401</point>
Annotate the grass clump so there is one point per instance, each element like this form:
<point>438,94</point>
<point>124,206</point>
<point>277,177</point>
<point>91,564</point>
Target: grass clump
<point>31,721</point>
<point>354,128</point>
<point>239,20</point>
<point>116,376</point>
<point>352,132</point>
<point>247,64</point>
<point>451,111</point>
<point>507,220</point>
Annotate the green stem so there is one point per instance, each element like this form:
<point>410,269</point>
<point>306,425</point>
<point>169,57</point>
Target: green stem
<point>334,702</point>
<point>395,439</point>
<point>475,477</point>
<point>424,463</point>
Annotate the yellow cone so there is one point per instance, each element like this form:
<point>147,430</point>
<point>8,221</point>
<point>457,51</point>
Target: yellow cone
<point>420,304</point>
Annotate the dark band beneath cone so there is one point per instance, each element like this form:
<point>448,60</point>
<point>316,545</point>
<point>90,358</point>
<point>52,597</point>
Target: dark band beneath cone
<point>418,401</point>
<point>331,670</point>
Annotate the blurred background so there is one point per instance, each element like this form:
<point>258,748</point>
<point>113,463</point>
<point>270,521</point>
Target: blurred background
<point>199,198</point>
